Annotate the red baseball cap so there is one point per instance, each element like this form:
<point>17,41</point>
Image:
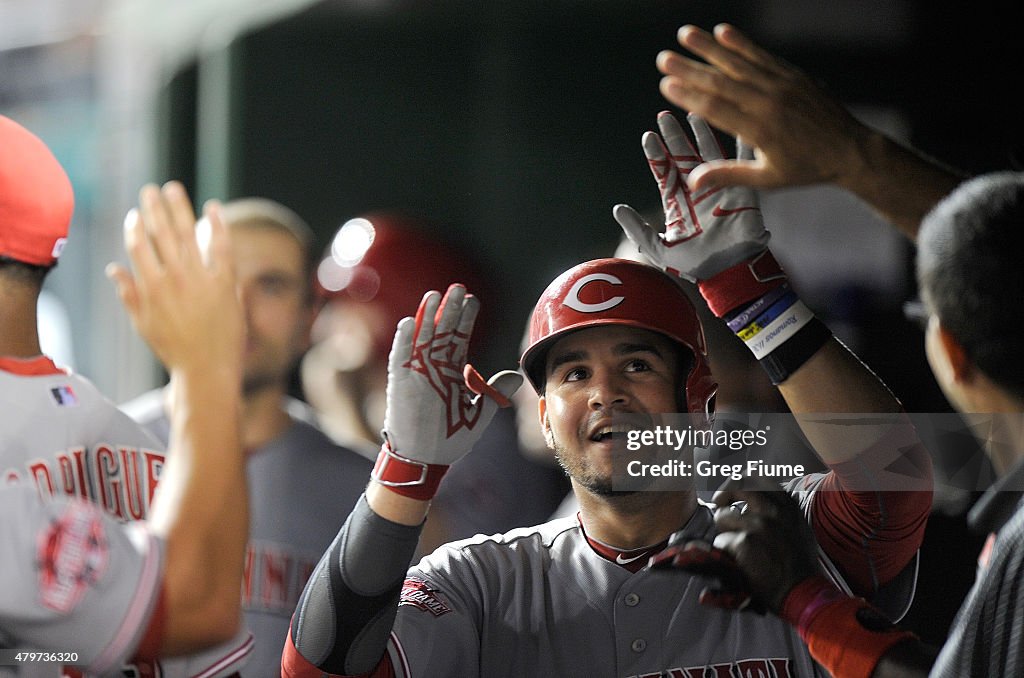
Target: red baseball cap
<point>36,199</point>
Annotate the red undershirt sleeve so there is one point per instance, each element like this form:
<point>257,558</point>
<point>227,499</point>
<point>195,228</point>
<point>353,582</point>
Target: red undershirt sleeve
<point>869,513</point>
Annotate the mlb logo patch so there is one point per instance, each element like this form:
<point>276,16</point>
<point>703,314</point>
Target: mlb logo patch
<point>64,396</point>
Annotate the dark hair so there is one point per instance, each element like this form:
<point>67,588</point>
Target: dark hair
<point>20,272</point>
<point>969,270</point>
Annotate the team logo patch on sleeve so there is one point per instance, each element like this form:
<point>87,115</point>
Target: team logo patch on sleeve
<point>417,592</point>
<point>64,396</point>
<point>71,557</point>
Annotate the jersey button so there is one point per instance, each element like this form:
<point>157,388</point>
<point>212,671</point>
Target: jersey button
<point>631,599</point>
<point>639,645</point>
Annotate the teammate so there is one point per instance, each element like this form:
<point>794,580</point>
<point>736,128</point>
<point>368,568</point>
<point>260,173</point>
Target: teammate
<point>575,596</point>
<point>377,268</point>
<point>75,579</point>
<point>300,480</point>
<point>962,247</point>
<point>965,268</point>
<point>57,433</point>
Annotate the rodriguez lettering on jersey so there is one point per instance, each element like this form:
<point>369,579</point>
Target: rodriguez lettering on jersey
<point>121,479</point>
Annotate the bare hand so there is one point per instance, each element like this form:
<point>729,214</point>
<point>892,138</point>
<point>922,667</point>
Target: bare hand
<point>801,134</point>
<point>181,300</point>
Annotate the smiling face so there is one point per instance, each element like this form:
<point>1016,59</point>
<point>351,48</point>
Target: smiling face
<point>593,374</point>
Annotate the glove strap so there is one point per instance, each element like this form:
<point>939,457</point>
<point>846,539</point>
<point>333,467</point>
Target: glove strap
<point>743,283</point>
<point>407,477</point>
<point>841,632</point>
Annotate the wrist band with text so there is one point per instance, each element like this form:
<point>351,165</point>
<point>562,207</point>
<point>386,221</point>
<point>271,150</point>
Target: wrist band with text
<point>737,321</point>
<point>759,306</point>
<point>770,314</point>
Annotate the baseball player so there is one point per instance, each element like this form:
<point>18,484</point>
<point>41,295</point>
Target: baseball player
<point>965,234</point>
<point>576,596</point>
<point>300,480</point>
<point>57,432</point>
<point>81,587</point>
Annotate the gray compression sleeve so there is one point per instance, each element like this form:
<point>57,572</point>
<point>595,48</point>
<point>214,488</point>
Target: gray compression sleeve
<point>348,607</point>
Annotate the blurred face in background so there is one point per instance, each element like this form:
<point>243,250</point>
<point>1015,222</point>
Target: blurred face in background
<point>273,286</point>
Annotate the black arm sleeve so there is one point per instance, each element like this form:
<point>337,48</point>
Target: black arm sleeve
<point>348,606</point>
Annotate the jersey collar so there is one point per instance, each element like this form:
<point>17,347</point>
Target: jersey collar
<point>633,560</point>
<point>38,366</point>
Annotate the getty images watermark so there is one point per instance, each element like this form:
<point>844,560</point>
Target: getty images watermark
<point>869,452</point>
<point>665,437</point>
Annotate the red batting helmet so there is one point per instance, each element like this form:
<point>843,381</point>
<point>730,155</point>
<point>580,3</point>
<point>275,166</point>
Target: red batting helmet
<point>389,259</point>
<point>620,292</point>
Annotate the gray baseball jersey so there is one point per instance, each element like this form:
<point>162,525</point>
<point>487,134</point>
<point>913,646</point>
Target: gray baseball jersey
<point>549,600</point>
<point>301,486</point>
<point>67,568</point>
<point>59,434</point>
<point>541,602</point>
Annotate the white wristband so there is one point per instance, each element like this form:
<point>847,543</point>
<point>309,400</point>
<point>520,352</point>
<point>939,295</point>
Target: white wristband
<point>781,329</point>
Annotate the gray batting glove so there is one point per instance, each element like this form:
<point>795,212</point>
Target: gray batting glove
<point>437,405</point>
<point>705,233</point>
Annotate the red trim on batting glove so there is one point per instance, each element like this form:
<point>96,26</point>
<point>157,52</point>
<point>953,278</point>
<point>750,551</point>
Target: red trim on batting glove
<point>741,284</point>
<point>407,477</point>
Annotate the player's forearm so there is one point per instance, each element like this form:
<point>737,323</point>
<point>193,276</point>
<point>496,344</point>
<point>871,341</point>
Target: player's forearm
<point>869,514</point>
<point>395,507</point>
<point>201,509</point>
<point>900,183</point>
<point>348,606</point>
<point>833,380</point>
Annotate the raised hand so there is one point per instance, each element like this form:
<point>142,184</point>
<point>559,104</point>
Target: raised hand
<point>437,404</point>
<point>705,231</point>
<point>180,293</point>
<point>803,135</point>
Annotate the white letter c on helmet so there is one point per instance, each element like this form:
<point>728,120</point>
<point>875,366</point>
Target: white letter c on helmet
<point>572,299</point>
